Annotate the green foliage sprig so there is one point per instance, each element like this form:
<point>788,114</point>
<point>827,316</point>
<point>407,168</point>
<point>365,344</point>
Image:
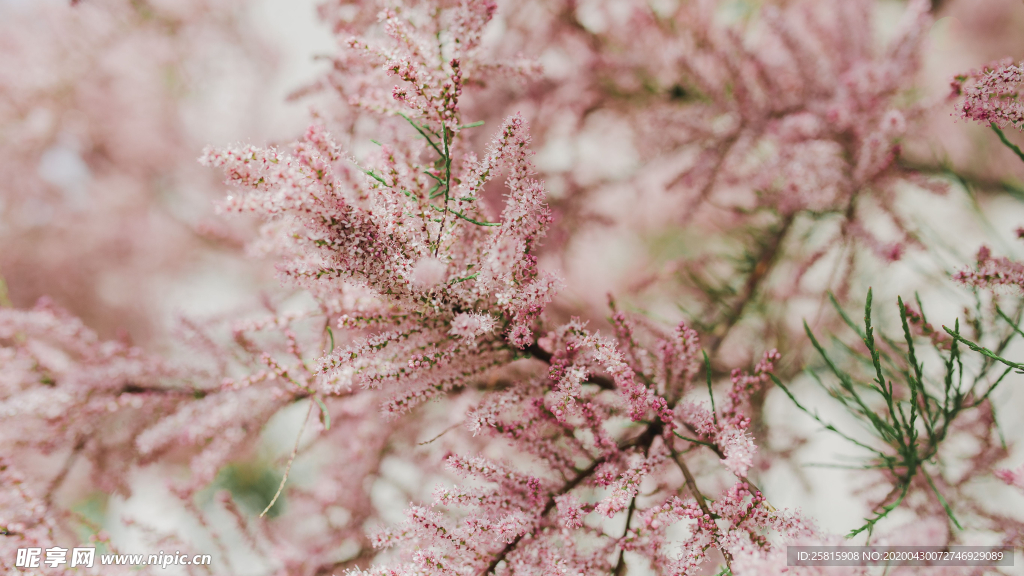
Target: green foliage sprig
<point>907,412</point>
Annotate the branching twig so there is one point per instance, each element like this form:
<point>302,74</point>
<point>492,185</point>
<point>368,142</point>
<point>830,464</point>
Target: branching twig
<point>691,484</point>
<point>291,460</point>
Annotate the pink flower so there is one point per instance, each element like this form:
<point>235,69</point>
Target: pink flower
<point>1014,478</point>
<point>992,272</point>
<point>470,325</point>
<point>992,95</point>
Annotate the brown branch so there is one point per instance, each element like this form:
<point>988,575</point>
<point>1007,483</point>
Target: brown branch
<point>539,353</point>
<point>725,147</point>
<point>135,388</point>
<point>643,441</point>
<point>620,566</point>
<point>765,261</point>
<point>576,481</point>
<point>691,484</point>
<point>64,470</point>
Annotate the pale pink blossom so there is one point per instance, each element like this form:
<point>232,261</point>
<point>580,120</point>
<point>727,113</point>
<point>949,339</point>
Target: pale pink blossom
<point>992,272</point>
<point>992,95</point>
<point>1014,478</point>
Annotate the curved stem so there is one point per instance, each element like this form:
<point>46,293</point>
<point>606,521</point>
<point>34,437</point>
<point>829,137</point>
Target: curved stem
<point>691,484</point>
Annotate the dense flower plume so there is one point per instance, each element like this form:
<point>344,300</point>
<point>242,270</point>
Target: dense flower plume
<point>448,292</point>
<point>992,95</point>
<point>446,383</point>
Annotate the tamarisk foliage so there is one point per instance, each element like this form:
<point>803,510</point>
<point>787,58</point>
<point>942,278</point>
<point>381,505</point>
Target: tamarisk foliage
<point>541,268</point>
<point>909,409</point>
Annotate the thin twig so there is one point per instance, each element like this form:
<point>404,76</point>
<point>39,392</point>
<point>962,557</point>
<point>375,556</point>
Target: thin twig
<point>447,185</point>
<point>620,566</point>
<point>64,470</point>
<point>691,483</point>
<point>291,459</point>
<point>445,431</point>
<point>1007,143</point>
<point>765,261</point>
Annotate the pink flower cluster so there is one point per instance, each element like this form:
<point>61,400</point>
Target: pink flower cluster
<point>992,95</point>
<point>1014,478</point>
<point>992,272</point>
